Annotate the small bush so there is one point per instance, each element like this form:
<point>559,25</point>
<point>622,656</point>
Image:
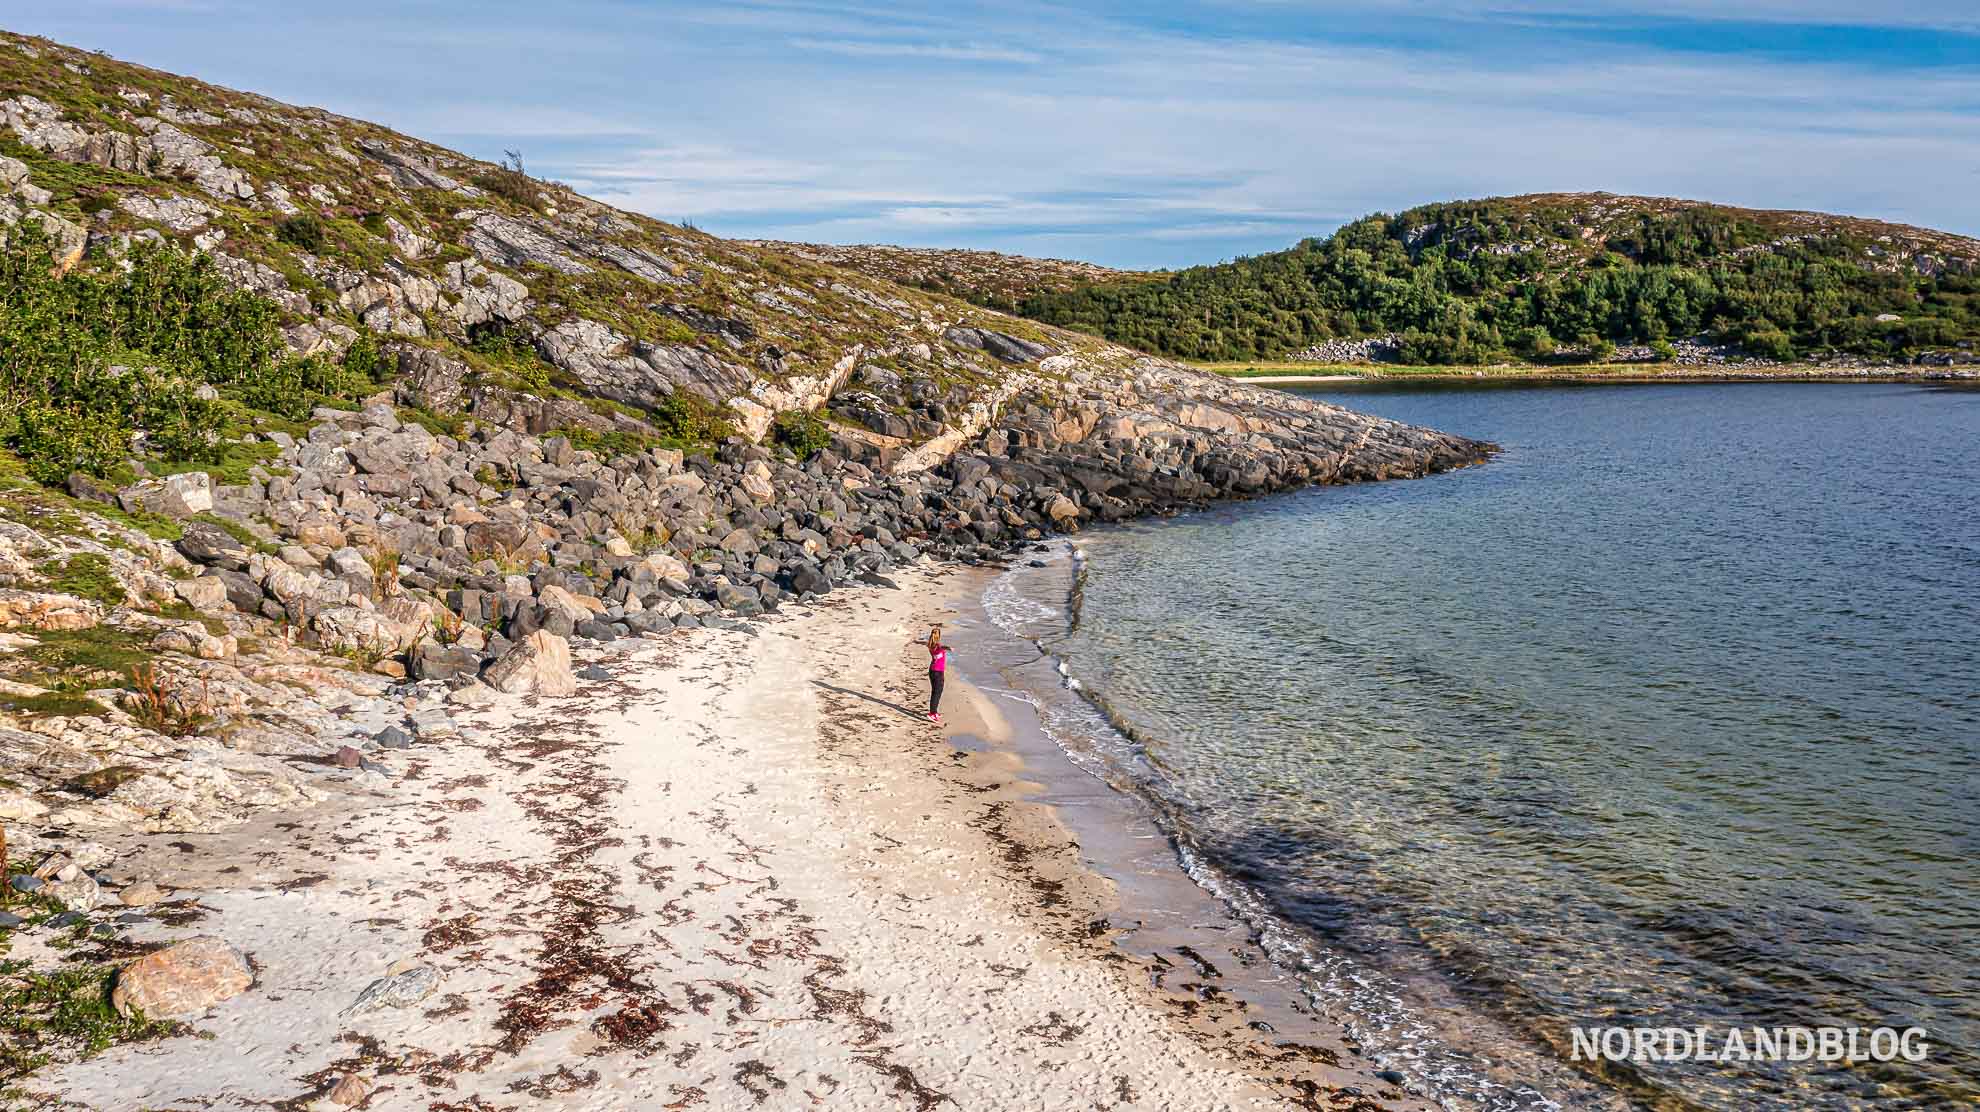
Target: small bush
<point>159,703</point>
<point>1769,343</point>
<point>511,182</point>
<point>1663,350</point>
<point>805,434</point>
<point>687,419</point>
<point>303,230</point>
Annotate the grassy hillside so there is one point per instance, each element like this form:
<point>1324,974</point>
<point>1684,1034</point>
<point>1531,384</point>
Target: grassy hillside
<point>991,279</point>
<point>246,260</point>
<point>1478,281</point>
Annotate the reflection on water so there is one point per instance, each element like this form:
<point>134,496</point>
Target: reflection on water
<point>1666,717</point>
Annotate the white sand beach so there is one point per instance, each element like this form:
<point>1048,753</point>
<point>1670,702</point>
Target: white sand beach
<point>744,872</point>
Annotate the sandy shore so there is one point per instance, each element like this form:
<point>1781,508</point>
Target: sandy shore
<point>744,872</point>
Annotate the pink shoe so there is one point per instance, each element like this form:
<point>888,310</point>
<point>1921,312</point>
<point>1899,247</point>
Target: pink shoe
<point>933,717</point>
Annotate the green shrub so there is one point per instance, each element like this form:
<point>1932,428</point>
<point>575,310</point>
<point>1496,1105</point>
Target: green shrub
<point>1768,343</point>
<point>304,230</point>
<point>510,182</point>
<point>53,441</point>
<point>1663,350</point>
<point>805,434</point>
<point>96,367</point>
<point>687,419</point>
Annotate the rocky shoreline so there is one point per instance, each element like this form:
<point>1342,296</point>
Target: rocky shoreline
<point>312,629</point>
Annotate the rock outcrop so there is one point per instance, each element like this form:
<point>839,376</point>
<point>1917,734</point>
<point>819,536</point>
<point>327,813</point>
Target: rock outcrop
<point>182,981</point>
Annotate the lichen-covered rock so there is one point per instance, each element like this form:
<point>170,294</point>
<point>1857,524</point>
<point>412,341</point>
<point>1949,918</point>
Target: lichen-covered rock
<point>174,496</point>
<point>182,981</point>
<point>539,663</point>
<point>36,610</point>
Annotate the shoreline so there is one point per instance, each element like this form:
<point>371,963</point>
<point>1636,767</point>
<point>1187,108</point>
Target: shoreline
<point>739,870</point>
<point>1848,374</point>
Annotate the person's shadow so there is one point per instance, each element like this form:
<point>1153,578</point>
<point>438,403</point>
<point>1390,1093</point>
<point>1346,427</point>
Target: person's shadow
<point>869,698</point>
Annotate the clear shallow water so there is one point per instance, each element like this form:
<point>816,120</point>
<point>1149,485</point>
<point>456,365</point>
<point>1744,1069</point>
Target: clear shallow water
<point>1666,717</point>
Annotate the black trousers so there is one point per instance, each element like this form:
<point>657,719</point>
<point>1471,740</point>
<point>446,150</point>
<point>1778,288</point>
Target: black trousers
<point>934,690</point>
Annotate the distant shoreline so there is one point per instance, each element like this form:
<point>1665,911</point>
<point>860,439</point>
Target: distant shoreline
<point>1287,374</point>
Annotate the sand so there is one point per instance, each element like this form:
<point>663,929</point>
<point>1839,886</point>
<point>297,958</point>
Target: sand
<point>743,873</point>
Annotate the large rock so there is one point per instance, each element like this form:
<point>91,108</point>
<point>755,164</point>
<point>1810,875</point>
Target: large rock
<point>397,625</point>
<point>206,543</point>
<point>540,663</point>
<point>70,885</point>
<point>400,990</point>
<point>34,610</point>
<point>444,662</point>
<point>173,496</point>
<point>1002,346</point>
<point>205,594</point>
<point>182,981</point>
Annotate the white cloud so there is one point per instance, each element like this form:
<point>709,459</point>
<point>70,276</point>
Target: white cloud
<point>1128,140</point>
<point>864,49</point>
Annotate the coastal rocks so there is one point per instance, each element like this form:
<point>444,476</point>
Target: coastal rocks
<point>999,345</point>
<point>1372,349</point>
<point>33,610</point>
<point>351,1091</point>
<point>69,884</point>
<point>144,893</point>
<point>175,496</point>
<point>400,990</point>
<point>445,663</point>
<point>182,981</point>
<point>539,663</point>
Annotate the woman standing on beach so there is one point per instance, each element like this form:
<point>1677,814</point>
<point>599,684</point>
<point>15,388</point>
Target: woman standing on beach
<point>938,666</point>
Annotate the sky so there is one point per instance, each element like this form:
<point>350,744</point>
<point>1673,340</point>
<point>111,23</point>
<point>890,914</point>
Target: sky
<point>1137,135</point>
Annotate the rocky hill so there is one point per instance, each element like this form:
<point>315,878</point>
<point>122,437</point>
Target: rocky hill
<point>314,428</point>
<point>1574,273</point>
<point>991,279</point>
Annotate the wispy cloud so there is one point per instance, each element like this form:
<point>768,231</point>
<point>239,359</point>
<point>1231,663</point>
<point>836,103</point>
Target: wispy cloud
<point>855,48</point>
<point>1123,133</point>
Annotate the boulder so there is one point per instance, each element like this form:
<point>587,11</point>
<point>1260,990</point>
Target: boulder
<point>34,610</point>
<point>444,662</point>
<point>182,981</point>
<point>70,885</point>
<point>351,1091</point>
<point>540,663</point>
<point>174,496</point>
<point>400,990</point>
<point>206,543</point>
<point>142,894</point>
<point>205,594</point>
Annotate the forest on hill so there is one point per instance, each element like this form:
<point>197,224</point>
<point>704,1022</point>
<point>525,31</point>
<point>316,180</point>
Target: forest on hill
<point>1527,277</point>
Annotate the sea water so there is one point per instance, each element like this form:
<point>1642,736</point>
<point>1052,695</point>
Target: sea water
<point>1666,717</point>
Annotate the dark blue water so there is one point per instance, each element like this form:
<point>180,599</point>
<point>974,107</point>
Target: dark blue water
<point>1668,716</point>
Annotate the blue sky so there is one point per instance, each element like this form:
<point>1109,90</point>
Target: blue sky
<point>1128,134</point>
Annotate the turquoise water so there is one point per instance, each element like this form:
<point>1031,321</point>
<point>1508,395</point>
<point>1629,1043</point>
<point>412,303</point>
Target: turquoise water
<point>1668,716</point>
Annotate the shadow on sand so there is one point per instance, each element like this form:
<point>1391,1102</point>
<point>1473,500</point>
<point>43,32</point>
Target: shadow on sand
<point>874,699</point>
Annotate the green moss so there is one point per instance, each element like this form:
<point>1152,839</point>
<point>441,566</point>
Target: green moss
<point>607,444</point>
<point>237,461</point>
<point>435,423</point>
<point>88,575</point>
<point>100,657</point>
<point>51,704</point>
